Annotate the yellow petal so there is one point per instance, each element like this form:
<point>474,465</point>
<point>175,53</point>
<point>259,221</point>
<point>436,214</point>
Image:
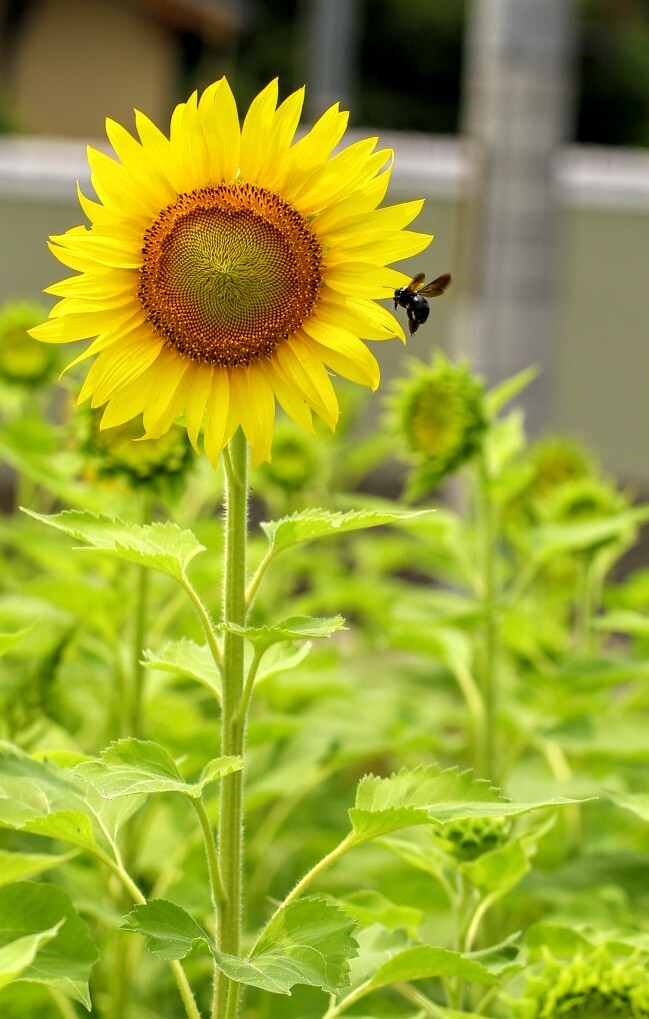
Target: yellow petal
<point>293,403</point>
<point>363,223</point>
<point>315,147</point>
<point>220,121</point>
<point>159,148</point>
<point>284,127</point>
<point>197,396</point>
<point>253,403</point>
<point>307,375</point>
<point>116,367</point>
<point>370,320</point>
<point>256,132</point>
<point>216,418</point>
<point>156,190</point>
<point>167,399</point>
<point>358,279</point>
<point>347,356</point>
<point>129,402</point>
<point>110,282</point>
<point>385,249</point>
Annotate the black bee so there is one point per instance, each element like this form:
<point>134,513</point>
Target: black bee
<point>413,298</point>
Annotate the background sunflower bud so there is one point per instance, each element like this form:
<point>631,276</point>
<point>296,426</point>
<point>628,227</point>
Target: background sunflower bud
<point>24,361</point>
<point>112,453</point>
<point>440,413</point>
<point>470,837</point>
<point>589,986</point>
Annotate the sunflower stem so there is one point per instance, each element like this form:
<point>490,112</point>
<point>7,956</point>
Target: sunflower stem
<point>233,726</point>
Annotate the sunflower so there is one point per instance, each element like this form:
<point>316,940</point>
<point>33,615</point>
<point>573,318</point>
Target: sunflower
<point>227,268</point>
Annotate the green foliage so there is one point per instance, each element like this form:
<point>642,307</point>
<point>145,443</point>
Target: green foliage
<point>445,770</point>
<point>44,940</point>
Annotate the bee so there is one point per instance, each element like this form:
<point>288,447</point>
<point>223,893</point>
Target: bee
<point>413,298</point>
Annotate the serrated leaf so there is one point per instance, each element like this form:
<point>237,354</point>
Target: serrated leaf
<point>132,766</point>
<point>315,523</point>
<point>170,931</point>
<point>161,546</point>
<point>62,962</point>
<point>294,628</point>
<point>19,866</point>
<point>186,658</point>
<point>308,942</point>
<point>427,794</point>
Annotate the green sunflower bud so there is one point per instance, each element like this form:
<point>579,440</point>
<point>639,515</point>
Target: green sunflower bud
<point>24,361</point>
<point>440,413</point>
<point>555,460</point>
<point>295,463</point>
<point>589,986</point>
<point>115,453</point>
<point>583,499</point>
<point>471,837</point>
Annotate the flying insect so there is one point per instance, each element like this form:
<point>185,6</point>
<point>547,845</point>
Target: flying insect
<point>413,298</point>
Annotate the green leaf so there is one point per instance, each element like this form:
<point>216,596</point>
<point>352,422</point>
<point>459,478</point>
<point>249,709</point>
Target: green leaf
<point>498,870</point>
<point>315,523</point>
<point>500,394</point>
<point>294,628</point>
<point>424,962</point>
<point>187,659</point>
<point>65,825</point>
<point>280,658</point>
<point>40,797</point>
<point>18,955</point>
<point>504,959</point>
<point>170,931</point>
<point>585,535</point>
<point>18,866</point>
<point>62,961</point>
<point>308,942</point>
<point>369,907</point>
<point>637,803</point>
<point>132,766</point>
<point>7,640</point>
<point>636,624</point>
<point>161,546</point>
<point>428,794</point>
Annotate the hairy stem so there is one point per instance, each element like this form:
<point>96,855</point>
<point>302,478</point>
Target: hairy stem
<point>230,835</point>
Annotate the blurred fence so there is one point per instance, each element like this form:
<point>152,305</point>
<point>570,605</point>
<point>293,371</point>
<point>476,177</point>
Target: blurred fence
<point>599,361</point>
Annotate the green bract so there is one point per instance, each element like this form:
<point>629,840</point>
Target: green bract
<point>589,986</point>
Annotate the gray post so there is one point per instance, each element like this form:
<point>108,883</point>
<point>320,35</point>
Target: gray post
<point>518,108</point>
<point>333,31</point>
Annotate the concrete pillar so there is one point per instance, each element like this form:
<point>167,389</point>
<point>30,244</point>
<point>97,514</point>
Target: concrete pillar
<point>332,39</point>
<point>518,94</point>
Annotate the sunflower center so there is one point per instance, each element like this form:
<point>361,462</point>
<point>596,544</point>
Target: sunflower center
<point>228,272</point>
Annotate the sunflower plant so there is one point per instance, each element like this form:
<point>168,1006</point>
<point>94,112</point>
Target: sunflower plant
<point>225,270</point>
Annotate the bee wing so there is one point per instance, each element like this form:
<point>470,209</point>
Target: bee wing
<point>437,287</point>
<point>415,284</point>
